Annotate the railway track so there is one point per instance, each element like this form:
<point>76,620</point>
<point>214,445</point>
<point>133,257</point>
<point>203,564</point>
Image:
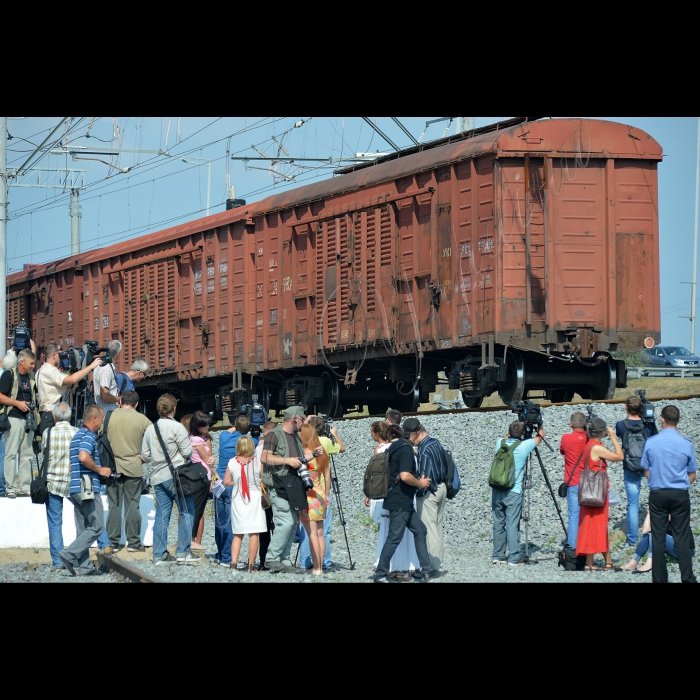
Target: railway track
<point>492,409</point>
<point>126,571</point>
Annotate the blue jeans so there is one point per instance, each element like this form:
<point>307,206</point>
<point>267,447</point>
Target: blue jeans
<point>164,495</point>
<point>305,549</point>
<point>54,517</point>
<point>2,463</point>
<point>633,485</point>
<point>574,512</point>
<point>506,507</point>
<point>645,545</point>
<point>223,534</point>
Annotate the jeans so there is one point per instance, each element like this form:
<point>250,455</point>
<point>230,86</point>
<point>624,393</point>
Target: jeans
<point>54,517</point>
<point>89,524</point>
<point>646,545</point>
<point>398,522</point>
<point>164,495</point>
<point>574,512</point>
<point>305,549</point>
<point>633,485</point>
<point>286,522</point>
<point>676,503</point>
<point>2,465</point>
<point>506,507</point>
<point>223,534</point>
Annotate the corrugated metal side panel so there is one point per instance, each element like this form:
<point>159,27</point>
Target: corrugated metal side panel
<point>484,245</point>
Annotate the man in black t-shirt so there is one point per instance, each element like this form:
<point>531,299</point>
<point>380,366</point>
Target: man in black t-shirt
<point>402,515</point>
<point>17,391</point>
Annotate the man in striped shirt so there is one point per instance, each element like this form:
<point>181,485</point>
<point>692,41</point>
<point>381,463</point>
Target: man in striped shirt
<point>57,475</point>
<point>89,514</point>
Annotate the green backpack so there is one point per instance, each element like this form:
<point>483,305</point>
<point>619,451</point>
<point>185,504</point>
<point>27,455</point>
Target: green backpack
<point>502,475</point>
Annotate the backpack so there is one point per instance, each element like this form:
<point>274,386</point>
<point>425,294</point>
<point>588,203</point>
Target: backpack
<point>104,449</point>
<point>452,480</point>
<point>569,560</point>
<point>124,377</point>
<point>502,474</point>
<point>376,479</point>
<point>633,445</point>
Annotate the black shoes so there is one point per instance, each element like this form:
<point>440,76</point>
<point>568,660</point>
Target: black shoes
<point>428,576</point>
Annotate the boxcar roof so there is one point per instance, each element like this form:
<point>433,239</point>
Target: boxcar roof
<point>562,138</point>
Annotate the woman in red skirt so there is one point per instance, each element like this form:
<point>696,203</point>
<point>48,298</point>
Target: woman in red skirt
<point>593,522</point>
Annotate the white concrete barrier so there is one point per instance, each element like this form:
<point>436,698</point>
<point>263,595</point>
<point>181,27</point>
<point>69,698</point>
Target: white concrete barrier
<point>23,524</point>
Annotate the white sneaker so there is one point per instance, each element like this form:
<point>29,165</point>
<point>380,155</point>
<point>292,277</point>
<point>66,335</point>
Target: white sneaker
<point>189,559</point>
<point>499,561</point>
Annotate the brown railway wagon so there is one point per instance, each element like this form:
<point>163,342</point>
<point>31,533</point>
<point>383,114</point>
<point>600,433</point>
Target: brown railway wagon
<point>515,260</point>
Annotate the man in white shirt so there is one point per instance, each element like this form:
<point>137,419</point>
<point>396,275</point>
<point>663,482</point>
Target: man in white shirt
<point>107,394</point>
<point>52,384</point>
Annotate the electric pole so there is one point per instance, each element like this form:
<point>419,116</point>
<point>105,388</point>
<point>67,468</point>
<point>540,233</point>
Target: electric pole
<point>465,124</point>
<point>695,247</point>
<point>3,236</point>
<point>74,221</point>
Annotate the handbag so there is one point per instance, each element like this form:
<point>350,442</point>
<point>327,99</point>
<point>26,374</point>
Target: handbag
<point>291,488</point>
<point>564,486</point>
<point>593,487</point>
<point>264,498</point>
<point>38,490</point>
<point>4,420</point>
<point>190,478</point>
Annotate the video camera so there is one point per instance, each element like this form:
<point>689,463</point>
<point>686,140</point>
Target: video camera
<point>647,412</point>
<point>71,360</point>
<point>256,414</point>
<point>21,335</point>
<point>529,413</point>
<point>327,422</point>
<point>93,350</point>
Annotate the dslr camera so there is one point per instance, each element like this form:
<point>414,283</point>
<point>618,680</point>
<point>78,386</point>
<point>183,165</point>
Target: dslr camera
<point>304,475</point>
<point>647,413</point>
<point>93,350</point>
<point>530,414</point>
<point>21,335</point>
<point>30,421</point>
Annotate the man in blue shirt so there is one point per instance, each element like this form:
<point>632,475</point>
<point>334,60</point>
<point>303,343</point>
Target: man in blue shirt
<point>633,479</point>
<point>670,467</point>
<point>507,506</point>
<point>89,514</point>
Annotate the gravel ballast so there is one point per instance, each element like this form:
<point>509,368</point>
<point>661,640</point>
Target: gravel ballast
<point>468,525</point>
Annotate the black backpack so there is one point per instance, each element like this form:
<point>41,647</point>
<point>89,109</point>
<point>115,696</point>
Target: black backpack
<point>104,449</point>
<point>452,480</point>
<point>376,479</point>
<point>633,445</point>
<point>569,560</point>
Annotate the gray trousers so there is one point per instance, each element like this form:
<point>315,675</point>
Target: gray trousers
<point>286,521</point>
<point>127,491</point>
<point>89,523</point>
<point>507,508</point>
<point>18,442</point>
<point>431,510</point>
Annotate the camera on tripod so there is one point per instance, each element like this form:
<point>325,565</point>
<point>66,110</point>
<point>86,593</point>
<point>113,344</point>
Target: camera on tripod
<point>530,414</point>
<point>93,350</point>
<point>647,412</point>
<point>21,336</point>
<point>256,414</point>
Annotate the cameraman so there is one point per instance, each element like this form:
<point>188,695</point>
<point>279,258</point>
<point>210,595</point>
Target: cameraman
<point>9,362</point>
<point>507,505</point>
<point>633,476</point>
<point>572,446</point>
<point>430,503</point>
<point>331,447</point>
<point>104,379</point>
<point>18,394</point>
<point>50,383</point>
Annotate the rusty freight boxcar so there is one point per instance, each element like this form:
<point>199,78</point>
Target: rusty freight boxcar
<point>514,259</point>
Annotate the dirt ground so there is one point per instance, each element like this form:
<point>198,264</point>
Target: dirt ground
<point>42,556</point>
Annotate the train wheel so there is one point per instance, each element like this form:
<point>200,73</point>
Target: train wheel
<point>328,402</point>
<point>472,401</point>
<point>606,380</point>
<point>561,395</point>
<point>410,403</point>
<point>514,389</point>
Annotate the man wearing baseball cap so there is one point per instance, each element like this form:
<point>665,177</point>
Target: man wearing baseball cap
<point>281,451</point>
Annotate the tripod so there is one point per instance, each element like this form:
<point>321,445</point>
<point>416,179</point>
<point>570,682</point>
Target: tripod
<point>527,485</point>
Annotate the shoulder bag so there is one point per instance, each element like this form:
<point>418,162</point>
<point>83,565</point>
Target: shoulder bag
<point>593,486</point>
<point>291,487</point>
<point>564,486</point>
<point>38,490</point>
<point>190,478</point>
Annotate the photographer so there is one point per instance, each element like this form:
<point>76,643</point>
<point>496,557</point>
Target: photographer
<point>126,381</point>
<point>18,396</point>
<point>277,457</point>
<point>507,505</point>
<point>104,379</point>
<point>636,437</point>
<point>572,446</point>
<point>430,503</point>
<point>9,362</point>
<point>51,383</point>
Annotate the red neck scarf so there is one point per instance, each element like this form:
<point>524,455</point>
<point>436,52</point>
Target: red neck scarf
<point>245,492</point>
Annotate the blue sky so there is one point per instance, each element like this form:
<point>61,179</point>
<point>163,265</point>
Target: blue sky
<point>159,191</point>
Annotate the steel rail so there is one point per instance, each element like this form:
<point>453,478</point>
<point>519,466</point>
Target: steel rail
<point>126,571</point>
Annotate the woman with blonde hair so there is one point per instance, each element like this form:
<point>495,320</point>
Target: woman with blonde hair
<point>247,514</point>
<point>317,498</point>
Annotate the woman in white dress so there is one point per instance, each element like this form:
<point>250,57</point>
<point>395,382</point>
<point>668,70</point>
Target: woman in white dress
<point>405,557</point>
<point>247,513</point>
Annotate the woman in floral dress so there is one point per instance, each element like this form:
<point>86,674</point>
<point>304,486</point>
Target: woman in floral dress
<point>312,518</point>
